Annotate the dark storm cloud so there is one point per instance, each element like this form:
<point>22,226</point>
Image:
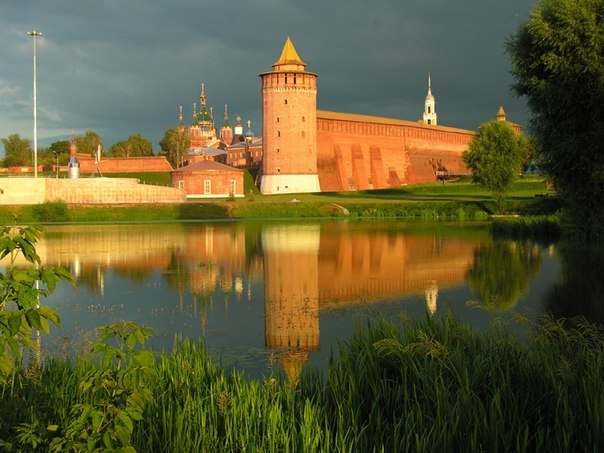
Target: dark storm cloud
<point>124,67</point>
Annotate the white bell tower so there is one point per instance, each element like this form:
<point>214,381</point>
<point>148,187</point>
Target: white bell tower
<point>430,106</point>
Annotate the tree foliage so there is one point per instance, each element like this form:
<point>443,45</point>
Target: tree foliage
<point>135,146</point>
<point>174,145</point>
<point>558,64</point>
<point>17,151</point>
<point>88,143</point>
<point>57,151</point>
<point>21,288</point>
<point>496,156</point>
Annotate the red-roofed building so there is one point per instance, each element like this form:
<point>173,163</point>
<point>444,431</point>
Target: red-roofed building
<point>208,179</point>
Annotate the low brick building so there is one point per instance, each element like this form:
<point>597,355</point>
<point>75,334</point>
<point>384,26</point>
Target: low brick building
<point>208,179</point>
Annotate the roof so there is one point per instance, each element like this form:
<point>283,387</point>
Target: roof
<point>329,115</point>
<point>289,55</point>
<point>208,165</point>
<point>208,151</point>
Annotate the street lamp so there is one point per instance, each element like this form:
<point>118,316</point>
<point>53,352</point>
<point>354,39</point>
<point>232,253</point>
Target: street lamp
<point>35,34</point>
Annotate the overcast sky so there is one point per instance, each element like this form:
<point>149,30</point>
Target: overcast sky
<point>122,67</point>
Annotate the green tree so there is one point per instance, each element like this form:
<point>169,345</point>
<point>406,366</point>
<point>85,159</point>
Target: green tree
<point>496,156</point>
<point>89,143</point>
<point>21,288</point>
<point>135,146</point>
<point>558,65</point>
<point>17,151</point>
<point>174,145</point>
<point>56,151</point>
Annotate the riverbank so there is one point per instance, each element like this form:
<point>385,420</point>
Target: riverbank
<point>459,200</point>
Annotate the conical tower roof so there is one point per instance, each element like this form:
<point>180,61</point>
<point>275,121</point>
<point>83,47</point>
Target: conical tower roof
<point>289,58</point>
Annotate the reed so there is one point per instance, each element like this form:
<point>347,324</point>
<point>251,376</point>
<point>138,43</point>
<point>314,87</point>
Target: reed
<point>540,227</point>
<point>432,384</point>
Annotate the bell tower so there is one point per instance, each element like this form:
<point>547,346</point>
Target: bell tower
<point>289,126</point>
<point>430,106</point>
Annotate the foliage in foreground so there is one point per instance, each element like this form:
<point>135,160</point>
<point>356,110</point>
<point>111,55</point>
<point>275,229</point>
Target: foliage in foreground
<point>558,66</point>
<point>21,288</point>
<point>432,385</point>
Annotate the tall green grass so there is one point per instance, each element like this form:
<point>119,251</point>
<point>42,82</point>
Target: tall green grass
<point>543,227</point>
<point>428,385</point>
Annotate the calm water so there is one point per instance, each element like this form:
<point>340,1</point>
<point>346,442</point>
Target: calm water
<point>280,295</point>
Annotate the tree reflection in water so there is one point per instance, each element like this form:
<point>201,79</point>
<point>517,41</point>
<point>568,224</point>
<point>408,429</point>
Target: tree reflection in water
<point>501,272</point>
<point>580,288</point>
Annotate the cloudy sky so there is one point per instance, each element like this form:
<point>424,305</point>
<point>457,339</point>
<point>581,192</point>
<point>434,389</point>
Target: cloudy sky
<point>122,67</point>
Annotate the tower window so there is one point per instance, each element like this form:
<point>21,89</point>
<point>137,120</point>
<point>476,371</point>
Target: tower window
<point>294,79</point>
<point>277,119</point>
<point>285,101</point>
<point>278,133</point>
<point>429,109</point>
<point>303,119</point>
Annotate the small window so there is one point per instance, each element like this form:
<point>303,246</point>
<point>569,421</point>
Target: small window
<point>207,186</point>
<point>233,186</point>
<point>285,101</point>
<point>303,119</point>
<point>278,133</point>
<point>278,170</point>
<point>303,134</point>
<point>181,184</point>
<point>277,119</point>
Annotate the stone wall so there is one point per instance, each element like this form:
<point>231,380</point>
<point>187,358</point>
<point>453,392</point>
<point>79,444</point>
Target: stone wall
<point>22,191</point>
<point>124,164</point>
<point>359,152</point>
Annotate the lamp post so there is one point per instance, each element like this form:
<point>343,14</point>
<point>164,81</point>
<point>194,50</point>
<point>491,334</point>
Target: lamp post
<point>35,34</point>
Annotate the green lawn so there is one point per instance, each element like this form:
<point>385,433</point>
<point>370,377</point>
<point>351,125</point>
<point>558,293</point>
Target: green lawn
<point>459,200</point>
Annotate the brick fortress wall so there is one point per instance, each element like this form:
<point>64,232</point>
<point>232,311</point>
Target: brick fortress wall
<point>359,152</point>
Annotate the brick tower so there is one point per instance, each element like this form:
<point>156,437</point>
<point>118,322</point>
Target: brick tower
<point>289,126</point>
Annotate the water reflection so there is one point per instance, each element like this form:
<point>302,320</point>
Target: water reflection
<point>580,289</point>
<point>501,271</point>
<point>253,289</point>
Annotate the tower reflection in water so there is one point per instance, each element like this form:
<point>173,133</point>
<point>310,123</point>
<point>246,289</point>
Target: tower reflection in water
<point>298,270</point>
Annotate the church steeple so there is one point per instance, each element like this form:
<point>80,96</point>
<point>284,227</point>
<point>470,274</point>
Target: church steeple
<point>430,106</point>
<point>501,116</point>
<point>181,124</point>
<point>226,131</point>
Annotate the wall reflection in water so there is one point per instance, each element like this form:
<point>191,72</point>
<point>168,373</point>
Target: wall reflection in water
<point>294,271</point>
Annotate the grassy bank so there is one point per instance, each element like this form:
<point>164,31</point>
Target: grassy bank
<point>433,385</point>
<point>459,200</point>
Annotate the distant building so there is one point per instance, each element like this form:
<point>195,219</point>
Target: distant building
<point>208,179</point>
<point>304,149</point>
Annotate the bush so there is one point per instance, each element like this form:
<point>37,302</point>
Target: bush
<point>50,212</point>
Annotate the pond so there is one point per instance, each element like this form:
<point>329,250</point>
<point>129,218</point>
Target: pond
<point>280,295</point>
